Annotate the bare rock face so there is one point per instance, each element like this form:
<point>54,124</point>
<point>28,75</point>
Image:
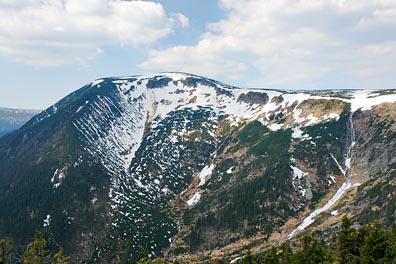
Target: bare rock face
<point>375,137</point>
<point>252,98</point>
<point>373,172</point>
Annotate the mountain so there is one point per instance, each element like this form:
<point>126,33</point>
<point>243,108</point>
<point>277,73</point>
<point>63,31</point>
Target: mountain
<point>194,169</point>
<point>12,119</point>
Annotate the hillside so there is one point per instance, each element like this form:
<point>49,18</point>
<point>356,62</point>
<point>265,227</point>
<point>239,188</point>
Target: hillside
<point>196,169</point>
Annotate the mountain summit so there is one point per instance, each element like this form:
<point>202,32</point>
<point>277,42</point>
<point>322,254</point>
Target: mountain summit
<point>195,169</point>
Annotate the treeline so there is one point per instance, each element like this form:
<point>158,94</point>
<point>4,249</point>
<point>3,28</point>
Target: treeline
<point>368,244</point>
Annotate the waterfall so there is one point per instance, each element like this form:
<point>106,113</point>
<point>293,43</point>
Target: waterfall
<point>344,187</point>
<point>349,153</point>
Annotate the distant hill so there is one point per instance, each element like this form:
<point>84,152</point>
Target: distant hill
<point>12,119</point>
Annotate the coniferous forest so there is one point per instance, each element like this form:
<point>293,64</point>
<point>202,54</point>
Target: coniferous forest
<point>368,244</point>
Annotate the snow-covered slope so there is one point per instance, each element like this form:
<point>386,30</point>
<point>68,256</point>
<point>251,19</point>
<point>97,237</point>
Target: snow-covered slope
<point>113,126</point>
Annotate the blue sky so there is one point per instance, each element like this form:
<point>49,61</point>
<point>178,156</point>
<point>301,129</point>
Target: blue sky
<point>51,48</point>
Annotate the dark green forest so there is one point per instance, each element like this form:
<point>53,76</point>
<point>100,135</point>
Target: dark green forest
<point>368,244</point>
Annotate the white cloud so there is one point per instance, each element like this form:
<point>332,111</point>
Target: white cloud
<point>56,32</point>
<point>182,19</point>
<point>293,43</point>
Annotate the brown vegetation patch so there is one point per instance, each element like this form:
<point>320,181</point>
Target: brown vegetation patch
<point>319,108</point>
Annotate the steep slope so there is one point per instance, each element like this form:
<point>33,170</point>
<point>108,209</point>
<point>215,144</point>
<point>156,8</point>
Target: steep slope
<point>12,119</point>
<point>181,163</point>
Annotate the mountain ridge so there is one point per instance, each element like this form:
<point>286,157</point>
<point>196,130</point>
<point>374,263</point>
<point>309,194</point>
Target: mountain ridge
<point>184,163</point>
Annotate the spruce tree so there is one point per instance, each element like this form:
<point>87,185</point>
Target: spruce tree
<point>347,244</point>
<point>271,257</point>
<point>36,252</point>
<point>4,246</point>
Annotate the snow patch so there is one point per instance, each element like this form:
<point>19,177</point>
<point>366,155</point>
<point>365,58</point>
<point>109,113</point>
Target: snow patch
<point>79,109</point>
<point>96,82</point>
<point>311,120</point>
<point>53,177</point>
<point>206,171</point>
<point>275,127</point>
<point>58,177</point>
<point>343,171</point>
<point>235,260</point>
<point>296,116</point>
<point>47,221</point>
<point>311,218</point>
<point>348,163</point>
<point>194,199</point>
<point>331,116</point>
<point>297,173</point>
<point>299,134</point>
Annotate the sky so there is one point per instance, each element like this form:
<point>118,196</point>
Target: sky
<point>49,48</point>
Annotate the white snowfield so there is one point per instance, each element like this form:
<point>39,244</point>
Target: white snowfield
<point>366,99</point>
